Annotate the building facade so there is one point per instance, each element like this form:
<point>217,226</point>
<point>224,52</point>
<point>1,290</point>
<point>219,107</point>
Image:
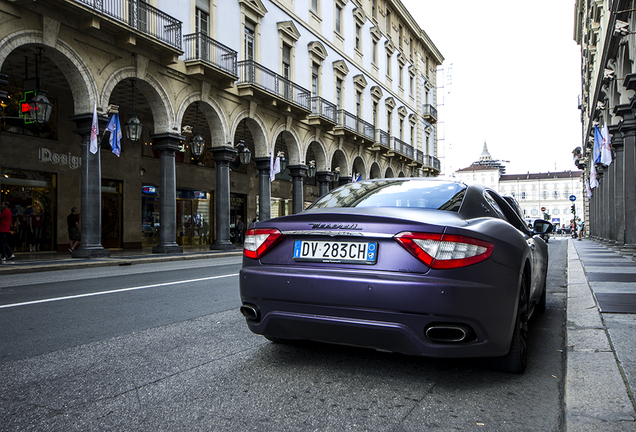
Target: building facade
<point>604,31</point>
<point>549,196</point>
<point>336,87</point>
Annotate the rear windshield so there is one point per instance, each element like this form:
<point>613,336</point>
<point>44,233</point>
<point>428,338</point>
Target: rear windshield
<point>437,195</point>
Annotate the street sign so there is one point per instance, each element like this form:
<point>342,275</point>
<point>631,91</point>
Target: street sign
<point>542,208</point>
<point>572,198</point>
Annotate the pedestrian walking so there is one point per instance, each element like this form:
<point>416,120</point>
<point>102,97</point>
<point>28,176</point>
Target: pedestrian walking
<point>5,229</point>
<point>74,235</point>
<point>239,231</point>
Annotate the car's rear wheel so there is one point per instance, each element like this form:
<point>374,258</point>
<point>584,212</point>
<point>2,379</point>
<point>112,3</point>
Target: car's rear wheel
<point>516,359</point>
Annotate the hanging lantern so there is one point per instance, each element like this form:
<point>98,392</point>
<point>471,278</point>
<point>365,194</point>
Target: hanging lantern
<point>40,108</point>
<point>244,153</point>
<point>311,171</point>
<point>198,145</point>
<point>133,125</point>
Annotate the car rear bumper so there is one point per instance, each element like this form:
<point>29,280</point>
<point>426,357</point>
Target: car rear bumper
<point>381,310</point>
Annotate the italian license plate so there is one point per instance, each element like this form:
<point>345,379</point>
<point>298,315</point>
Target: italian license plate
<point>336,251</point>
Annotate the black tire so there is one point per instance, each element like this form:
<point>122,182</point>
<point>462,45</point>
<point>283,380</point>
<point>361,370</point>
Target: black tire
<point>516,359</point>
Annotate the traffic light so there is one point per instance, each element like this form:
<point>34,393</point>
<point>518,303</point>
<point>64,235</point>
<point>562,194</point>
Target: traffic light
<point>573,209</point>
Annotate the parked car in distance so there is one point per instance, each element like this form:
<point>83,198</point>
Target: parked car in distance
<point>428,267</point>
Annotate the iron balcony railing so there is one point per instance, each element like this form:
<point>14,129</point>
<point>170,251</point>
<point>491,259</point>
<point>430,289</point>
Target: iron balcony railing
<point>323,108</point>
<point>396,145</point>
<point>355,124</point>
<point>382,137</point>
<point>199,46</point>
<point>428,109</point>
<point>140,16</point>
<point>408,151</point>
<point>432,162</point>
<point>257,75</point>
<point>420,157</point>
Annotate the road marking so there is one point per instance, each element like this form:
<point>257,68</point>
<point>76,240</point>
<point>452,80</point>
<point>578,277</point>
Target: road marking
<point>113,291</point>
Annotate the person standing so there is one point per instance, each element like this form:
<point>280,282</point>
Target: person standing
<point>74,235</point>
<point>5,229</point>
<point>239,231</point>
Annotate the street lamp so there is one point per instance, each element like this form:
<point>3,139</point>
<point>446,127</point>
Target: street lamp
<point>198,143</point>
<point>244,153</point>
<point>311,171</point>
<point>39,110</point>
<point>336,175</point>
<point>133,125</point>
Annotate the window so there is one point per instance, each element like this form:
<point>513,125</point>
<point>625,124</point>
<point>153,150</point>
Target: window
<point>544,195</point>
<point>400,79</point>
<point>250,31</point>
<point>286,61</point>
<point>401,129</point>
<point>358,43</point>
<point>314,6</point>
<point>389,121</point>
<point>556,194</point>
<point>523,195</point>
<point>388,23</point>
<point>413,143</point>
<point>338,19</point>
<point>374,8</point>
<point>400,32</point>
<point>338,93</point>
<point>315,73</point>
<point>375,52</point>
<point>411,48</point>
<point>375,115</point>
<point>359,104</point>
<point>202,27</point>
<point>411,83</point>
<point>388,65</point>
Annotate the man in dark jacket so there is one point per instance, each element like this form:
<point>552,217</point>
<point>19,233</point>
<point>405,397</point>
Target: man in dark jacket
<point>5,229</point>
<point>74,235</point>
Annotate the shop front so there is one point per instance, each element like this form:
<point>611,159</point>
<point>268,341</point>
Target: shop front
<point>194,217</point>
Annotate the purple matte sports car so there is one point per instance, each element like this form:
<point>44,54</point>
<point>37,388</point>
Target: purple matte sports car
<point>429,267</point>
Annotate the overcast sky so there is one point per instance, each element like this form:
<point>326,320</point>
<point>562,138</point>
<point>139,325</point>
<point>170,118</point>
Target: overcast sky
<point>515,81</point>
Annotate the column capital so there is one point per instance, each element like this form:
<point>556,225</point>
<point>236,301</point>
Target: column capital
<point>84,122</point>
<point>223,153</point>
<point>263,163</point>
<point>167,141</point>
<point>298,170</point>
<point>324,176</point>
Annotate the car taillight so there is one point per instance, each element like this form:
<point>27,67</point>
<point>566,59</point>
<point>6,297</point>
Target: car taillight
<point>445,251</point>
<point>260,240</point>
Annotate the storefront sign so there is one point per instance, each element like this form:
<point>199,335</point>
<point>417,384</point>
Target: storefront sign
<point>47,155</point>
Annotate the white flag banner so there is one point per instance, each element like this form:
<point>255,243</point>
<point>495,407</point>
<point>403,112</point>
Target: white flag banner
<point>593,179</point>
<point>588,189</point>
<point>606,147</point>
<point>94,131</point>
<point>274,166</point>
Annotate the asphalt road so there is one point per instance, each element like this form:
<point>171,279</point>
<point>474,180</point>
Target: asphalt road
<point>163,347</point>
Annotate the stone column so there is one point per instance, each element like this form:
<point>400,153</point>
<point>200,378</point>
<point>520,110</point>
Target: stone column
<point>167,144</point>
<point>264,188</point>
<point>297,172</point>
<point>222,156</point>
<point>619,193</point>
<point>627,128</point>
<point>324,178</point>
<point>91,190</point>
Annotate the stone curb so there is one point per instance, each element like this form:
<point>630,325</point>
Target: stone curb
<point>8,269</point>
<point>596,395</point>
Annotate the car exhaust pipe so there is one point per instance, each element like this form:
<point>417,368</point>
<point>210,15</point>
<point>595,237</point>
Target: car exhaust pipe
<point>250,312</point>
<point>448,333</point>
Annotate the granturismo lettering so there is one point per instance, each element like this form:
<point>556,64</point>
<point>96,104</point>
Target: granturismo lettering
<point>47,155</point>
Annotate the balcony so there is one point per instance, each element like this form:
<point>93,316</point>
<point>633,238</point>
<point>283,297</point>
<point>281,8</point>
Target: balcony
<point>430,113</point>
<point>382,140</point>
<point>131,22</point>
<point>354,128</point>
<point>206,57</point>
<point>257,82</point>
<point>323,113</point>
<point>431,163</point>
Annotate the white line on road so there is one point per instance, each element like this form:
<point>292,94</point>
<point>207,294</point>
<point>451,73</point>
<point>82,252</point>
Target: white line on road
<point>113,291</point>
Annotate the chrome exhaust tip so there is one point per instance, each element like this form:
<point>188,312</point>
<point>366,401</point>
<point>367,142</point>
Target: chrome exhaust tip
<point>448,333</point>
<point>250,312</point>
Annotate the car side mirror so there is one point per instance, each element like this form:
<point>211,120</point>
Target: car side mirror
<point>542,227</point>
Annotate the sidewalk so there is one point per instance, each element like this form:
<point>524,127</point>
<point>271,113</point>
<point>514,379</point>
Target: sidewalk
<point>601,320</point>
<point>28,262</point>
